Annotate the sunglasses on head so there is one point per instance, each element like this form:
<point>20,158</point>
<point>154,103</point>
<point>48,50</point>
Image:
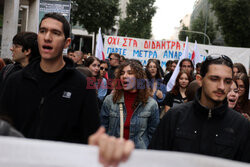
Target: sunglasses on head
<point>219,56</point>
<point>103,69</point>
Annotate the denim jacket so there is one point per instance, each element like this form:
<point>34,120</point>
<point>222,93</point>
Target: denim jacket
<point>162,88</point>
<point>142,124</point>
<point>102,90</point>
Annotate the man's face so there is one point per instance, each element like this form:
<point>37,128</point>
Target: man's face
<point>70,55</point>
<point>173,66</point>
<point>186,66</point>
<point>198,70</point>
<point>85,56</point>
<point>114,61</point>
<point>169,67</point>
<point>51,39</point>
<point>17,54</point>
<point>77,57</point>
<point>216,84</point>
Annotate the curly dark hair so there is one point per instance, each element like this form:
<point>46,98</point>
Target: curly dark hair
<point>176,88</point>
<point>142,92</point>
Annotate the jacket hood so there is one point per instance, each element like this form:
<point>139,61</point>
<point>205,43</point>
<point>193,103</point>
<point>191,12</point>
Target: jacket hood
<point>206,112</point>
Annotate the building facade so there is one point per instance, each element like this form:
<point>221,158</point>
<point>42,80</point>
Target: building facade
<point>23,15</point>
<point>16,16</point>
<point>185,21</point>
<point>205,7</point>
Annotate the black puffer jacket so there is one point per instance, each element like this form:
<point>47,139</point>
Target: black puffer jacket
<point>68,113</point>
<point>190,127</point>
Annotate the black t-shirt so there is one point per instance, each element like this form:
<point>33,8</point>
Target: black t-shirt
<point>47,80</point>
<point>171,100</point>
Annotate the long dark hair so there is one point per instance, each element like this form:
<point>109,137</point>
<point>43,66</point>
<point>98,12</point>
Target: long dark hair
<point>176,88</point>
<point>158,73</point>
<point>243,99</point>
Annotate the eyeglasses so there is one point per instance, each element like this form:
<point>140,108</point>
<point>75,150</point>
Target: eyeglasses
<point>104,69</point>
<point>219,56</point>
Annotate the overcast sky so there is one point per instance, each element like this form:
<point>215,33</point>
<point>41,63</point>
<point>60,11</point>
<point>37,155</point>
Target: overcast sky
<point>168,16</point>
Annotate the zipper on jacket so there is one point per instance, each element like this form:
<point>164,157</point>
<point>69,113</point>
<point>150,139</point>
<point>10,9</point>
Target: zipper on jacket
<point>41,104</point>
<point>40,115</point>
<point>209,114</point>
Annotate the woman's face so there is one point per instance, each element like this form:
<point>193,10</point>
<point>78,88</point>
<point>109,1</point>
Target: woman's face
<point>95,68</point>
<point>183,81</point>
<point>233,95</point>
<point>103,69</point>
<point>241,87</point>
<point>128,79</point>
<point>152,68</point>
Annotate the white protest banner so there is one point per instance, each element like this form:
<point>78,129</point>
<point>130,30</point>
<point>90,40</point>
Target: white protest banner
<point>20,152</point>
<point>164,50</point>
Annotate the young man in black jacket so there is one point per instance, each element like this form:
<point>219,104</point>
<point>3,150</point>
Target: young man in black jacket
<point>206,125</point>
<point>114,61</point>
<point>48,99</point>
<point>24,49</point>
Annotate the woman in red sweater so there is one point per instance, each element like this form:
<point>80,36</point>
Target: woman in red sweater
<point>129,112</point>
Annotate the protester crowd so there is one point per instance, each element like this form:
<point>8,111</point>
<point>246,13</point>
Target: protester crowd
<point>45,95</point>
